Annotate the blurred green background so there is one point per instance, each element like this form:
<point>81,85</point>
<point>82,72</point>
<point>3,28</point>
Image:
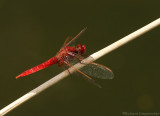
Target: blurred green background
<point>32,31</point>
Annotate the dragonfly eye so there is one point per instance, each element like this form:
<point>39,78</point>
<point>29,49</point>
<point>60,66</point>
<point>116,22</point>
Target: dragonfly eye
<point>81,48</point>
<point>84,49</point>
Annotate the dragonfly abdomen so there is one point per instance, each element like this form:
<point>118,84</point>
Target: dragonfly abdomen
<point>49,62</point>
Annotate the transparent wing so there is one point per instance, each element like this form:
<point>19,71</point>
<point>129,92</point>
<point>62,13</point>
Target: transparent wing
<point>97,71</point>
<point>69,40</point>
<point>84,75</point>
<point>80,33</point>
<point>93,69</point>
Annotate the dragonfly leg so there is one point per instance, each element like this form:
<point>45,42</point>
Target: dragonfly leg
<point>68,71</point>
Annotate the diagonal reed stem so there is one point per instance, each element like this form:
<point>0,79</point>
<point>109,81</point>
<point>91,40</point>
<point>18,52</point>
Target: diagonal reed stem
<point>93,57</point>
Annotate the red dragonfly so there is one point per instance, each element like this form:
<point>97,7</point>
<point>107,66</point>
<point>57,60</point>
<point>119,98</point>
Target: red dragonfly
<point>67,55</point>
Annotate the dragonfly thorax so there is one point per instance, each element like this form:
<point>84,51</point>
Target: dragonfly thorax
<point>69,53</point>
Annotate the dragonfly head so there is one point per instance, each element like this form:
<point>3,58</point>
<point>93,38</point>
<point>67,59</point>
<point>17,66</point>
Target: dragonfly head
<point>81,48</point>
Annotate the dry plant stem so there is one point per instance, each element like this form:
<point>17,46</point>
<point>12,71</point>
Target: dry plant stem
<point>93,57</point>
<point>126,39</point>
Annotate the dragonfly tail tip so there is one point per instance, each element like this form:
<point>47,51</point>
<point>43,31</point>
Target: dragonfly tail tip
<point>18,76</point>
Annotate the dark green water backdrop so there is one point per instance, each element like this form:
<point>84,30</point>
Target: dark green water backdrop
<point>32,31</point>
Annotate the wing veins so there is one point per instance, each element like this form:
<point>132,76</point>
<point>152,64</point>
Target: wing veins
<point>88,78</point>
